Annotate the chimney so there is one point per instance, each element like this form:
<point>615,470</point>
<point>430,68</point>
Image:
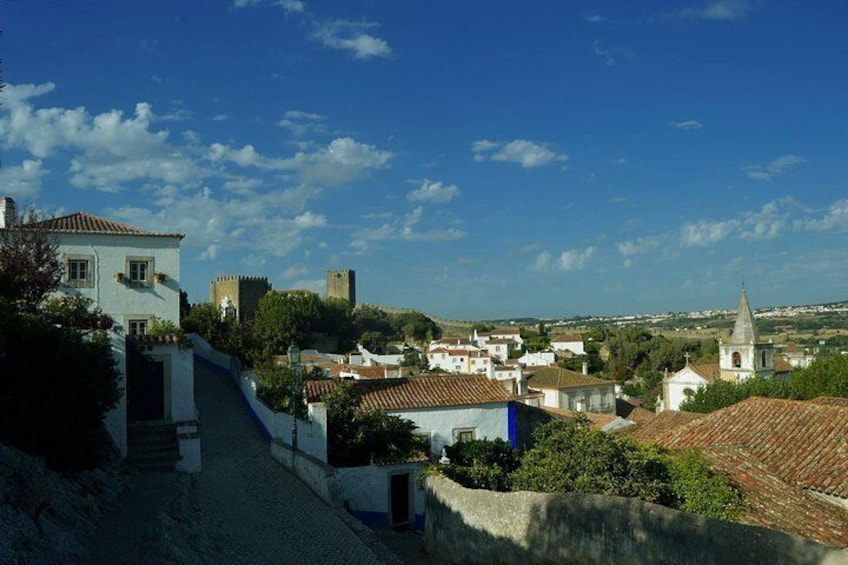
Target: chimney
<point>585,368</point>
<point>7,212</point>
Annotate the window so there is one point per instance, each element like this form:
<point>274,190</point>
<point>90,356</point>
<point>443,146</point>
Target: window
<point>465,434</point>
<point>137,327</point>
<point>78,271</point>
<point>138,271</point>
<point>764,359</point>
<point>737,359</point>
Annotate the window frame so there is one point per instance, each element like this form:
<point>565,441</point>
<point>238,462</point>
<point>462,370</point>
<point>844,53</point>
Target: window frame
<point>85,282</point>
<point>143,322</point>
<point>458,434</point>
<point>131,261</point>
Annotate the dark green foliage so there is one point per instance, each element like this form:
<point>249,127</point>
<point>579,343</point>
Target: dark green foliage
<point>375,342</point>
<point>74,312</point>
<point>55,387</point>
<point>416,359</point>
<point>284,319</point>
<point>337,320</point>
<point>482,464</point>
<point>721,394</point>
<point>571,457</point>
<point>698,489</point>
<point>357,437</point>
<point>371,319</point>
<point>826,376</point>
<point>275,388</point>
<point>415,327</point>
<point>535,342</point>
<point>228,335</point>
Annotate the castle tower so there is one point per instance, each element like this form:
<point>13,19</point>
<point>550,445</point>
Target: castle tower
<point>342,284</point>
<point>744,356</point>
<point>242,291</point>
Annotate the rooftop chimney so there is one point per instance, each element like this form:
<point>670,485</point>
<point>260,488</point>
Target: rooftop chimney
<point>7,212</point>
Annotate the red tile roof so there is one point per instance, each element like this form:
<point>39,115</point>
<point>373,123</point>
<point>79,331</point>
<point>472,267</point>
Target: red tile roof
<point>596,419</point>
<point>803,443</point>
<point>86,223</point>
<point>566,338</point>
<point>419,392</point>
<point>559,378</point>
<point>772,503</point>
<point>781,365</point>
<point>709,371</point>
<point>632,412</point>
<point>659,425</point>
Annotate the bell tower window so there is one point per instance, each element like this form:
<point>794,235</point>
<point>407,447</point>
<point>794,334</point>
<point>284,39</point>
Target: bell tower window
<point>736,359</point>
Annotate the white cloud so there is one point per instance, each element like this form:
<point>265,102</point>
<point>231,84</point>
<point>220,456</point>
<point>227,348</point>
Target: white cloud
<point>23,181</point>
<point>637,246</point>
<point>301,123</point>
<point>433,192</point>
<point>768,223</point>
<point>835,219</point>
<point>610,55</point>
<point>295,272</point>
<point>574,259</point>
<point>703,233</point>
<point>220,118</point>
<point>570,260</point>
<point>350,36</point>
<point>109,149</point>
<point>528,154</point>
<point>774,168</point>
<point>719,11</point>
<point>686,124</point>
<point>288,6</point>
<point>310,220</point>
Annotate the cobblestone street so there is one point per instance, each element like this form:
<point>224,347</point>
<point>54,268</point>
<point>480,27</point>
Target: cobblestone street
<point>243,508</point>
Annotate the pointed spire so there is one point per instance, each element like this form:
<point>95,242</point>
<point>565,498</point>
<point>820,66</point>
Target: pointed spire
<point>745,330</point>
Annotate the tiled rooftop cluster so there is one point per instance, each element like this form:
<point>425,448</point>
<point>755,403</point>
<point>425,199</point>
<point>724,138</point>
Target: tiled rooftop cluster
<point>86,223</point>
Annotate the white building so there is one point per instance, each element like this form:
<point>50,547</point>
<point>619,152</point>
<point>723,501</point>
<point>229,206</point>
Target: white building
<point>460,361</point>
<point>743,357</point>
<point>540,359</point>
<point>133,275</point>
<point>572,343</point>
<point>574,391</point>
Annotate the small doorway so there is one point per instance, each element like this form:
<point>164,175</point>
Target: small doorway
<point>146,393</point>
<point>399,500</point>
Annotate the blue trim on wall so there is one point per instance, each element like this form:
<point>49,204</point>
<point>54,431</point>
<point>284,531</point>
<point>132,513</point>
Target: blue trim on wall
<point>512,424</point>
<point>372,519</point>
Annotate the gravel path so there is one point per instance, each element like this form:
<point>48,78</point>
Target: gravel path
<point>243,508</point>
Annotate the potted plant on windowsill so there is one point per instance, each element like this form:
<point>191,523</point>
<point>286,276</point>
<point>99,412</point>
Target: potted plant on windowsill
<point>119,277</point>
<point>159,277</point>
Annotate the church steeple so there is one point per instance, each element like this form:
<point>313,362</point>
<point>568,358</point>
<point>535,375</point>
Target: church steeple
<point>745,330</point>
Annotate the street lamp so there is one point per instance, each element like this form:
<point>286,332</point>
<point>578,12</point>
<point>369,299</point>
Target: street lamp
<point>294,363</point>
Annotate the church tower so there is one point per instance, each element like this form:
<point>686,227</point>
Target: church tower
<point>744,356</point>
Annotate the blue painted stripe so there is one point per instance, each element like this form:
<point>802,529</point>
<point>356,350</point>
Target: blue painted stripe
<point>512,424</point>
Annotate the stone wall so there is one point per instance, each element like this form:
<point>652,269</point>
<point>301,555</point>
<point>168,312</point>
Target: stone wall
<point>478,526</point>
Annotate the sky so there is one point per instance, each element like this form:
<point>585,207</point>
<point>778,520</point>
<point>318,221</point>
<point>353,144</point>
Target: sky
<point>472,160</point>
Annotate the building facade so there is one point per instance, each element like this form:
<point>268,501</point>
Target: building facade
<point>242,293</point>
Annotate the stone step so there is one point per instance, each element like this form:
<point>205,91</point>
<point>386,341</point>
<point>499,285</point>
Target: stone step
<point>153,446</point>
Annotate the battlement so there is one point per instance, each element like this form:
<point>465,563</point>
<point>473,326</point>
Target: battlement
<point>249,278</point>
<point>341,283</point>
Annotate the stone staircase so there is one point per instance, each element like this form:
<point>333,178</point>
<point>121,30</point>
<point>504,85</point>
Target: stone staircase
<point>152,446</point>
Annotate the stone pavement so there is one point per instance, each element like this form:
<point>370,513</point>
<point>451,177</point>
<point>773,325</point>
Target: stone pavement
<point>243,508</point>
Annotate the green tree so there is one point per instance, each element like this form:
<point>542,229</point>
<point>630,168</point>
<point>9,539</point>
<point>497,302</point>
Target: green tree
<point>375,342</point>
<point>482,464</point>
<point>358,437</point>
<point>826,376</point>
<point>337,320</point>
<point>226,335</point>
<point>416,359</point>
<point>275,388</point>
<point>699,489</point>
<point>722,394</point>
<point>368,318</point>
<point>569,456</point>
<point>56,385</point>
<point>284,319</point>
<point>415,326</point>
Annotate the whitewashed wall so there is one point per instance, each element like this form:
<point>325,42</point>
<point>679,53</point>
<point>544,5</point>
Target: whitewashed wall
<point>489,420</point>
<point>366,492</point>
<point>682,379</point>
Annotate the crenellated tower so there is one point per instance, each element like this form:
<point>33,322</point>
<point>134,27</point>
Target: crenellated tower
<point>240,292</point>
<point>342,284</point>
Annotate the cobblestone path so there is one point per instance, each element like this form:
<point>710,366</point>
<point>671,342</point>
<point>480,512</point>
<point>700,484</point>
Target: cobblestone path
<point>243,508</point>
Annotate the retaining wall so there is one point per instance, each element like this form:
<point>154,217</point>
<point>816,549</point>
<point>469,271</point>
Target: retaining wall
<point>478,526</point>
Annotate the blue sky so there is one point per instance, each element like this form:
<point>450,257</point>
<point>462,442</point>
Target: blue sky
<point>470,159</point>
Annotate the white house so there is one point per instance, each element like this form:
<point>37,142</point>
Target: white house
<point>446,409</point>
<point>540,359</point>
<point>460,361</point>
<point>574,391</point>
<point>572,343</point>
<point>500,348</point>
<point>508,333</point>
<point>511,377</point>
<point>684,383</point>
<point>452,343</point>
<point>133,275</point>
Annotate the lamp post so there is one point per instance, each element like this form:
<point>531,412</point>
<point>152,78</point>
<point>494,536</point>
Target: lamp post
<point>294,363</point>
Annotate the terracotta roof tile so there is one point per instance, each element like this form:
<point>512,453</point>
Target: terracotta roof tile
<point>558,378</point>
<point>632,412</point>
<point>804,443</point>
<point>781,365</point>
<point>597,420</point>
<point>830,401</point>
<point>659,425</point>
<point>771,503</point>
<point>419,392</point>
<point>82,222</point>
<point>710,371</point>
